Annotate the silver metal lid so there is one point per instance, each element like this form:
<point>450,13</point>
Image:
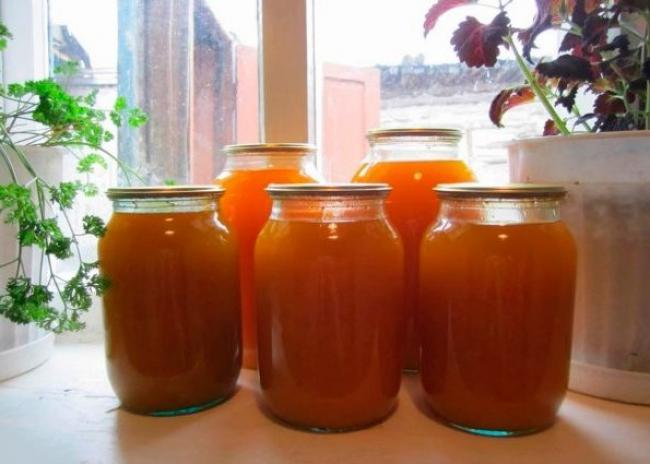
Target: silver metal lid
<point>351,189</point>
<point>165,191</point>
<point>270,148</point>
<point>447,133</point>
<point>478,190</point>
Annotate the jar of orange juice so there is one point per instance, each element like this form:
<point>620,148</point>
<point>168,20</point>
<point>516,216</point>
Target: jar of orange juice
<point>171,311</point>
<point>497,278</point>
<point>412,162</point>
<point>245,207</point>
<point>329,294</point>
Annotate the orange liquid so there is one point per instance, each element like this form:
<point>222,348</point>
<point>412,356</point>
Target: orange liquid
<point>330,322</point>
<point>171,312</point>
<point>245,207</point>
<point>412,207</point>
<point>496,308</point>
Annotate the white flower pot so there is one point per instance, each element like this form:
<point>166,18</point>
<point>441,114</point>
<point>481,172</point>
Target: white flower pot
<point>23,347</point>
<point>608,211</point>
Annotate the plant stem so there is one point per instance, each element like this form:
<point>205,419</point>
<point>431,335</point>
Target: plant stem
<point>537,90</point>
<point>7,160</point>
<point>122,166</point>
<point>8,263</point>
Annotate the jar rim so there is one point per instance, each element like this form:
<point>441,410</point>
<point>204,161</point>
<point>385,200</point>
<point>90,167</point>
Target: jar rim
<point>500,191</point>
<point>328,190</point>
<point>164,191</point>
<point>442,132</point>
<point>269,148</point>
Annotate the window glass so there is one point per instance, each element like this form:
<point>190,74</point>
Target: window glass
<point>190,64</point>
<point>376,68</point>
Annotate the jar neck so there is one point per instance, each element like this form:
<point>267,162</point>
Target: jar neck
<point>414,148</point>
<point>499,211</point>
<point>165,205</point>
<point>328,209</point>
<point>250,162</point>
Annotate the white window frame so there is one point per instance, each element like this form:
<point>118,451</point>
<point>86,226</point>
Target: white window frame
<point>28,56</point>
<point>287,77</point>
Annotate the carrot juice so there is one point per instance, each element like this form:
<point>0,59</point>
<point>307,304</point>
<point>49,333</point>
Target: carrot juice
<point>245,207</point>
<point>496,310</point>
<point>329,288</point>
<point>412,206</point>
<point>171,312</point>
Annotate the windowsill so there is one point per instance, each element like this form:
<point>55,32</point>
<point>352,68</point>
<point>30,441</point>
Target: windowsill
<point>65,412</point>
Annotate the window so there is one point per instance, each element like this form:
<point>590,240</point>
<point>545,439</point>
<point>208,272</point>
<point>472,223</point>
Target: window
<point>377,68</point>
<point>190,64</point>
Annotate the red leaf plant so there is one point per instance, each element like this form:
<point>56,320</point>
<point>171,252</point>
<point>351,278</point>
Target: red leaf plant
<point>509,98</point>
<point>605,53</point>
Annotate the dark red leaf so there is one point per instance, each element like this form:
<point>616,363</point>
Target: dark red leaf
<point>550,128</point>
<point>567,67</point>
<point>567,100</point>
<point>438,9</point>
<point>620,43</point>
<point>594,31</point>
<point>477,44</point>
<point>571,42</point>
<point>509,98</point>
<point>607,104</point>
<point>552,13</point>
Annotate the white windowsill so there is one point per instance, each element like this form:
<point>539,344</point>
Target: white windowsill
<point>65,412</point>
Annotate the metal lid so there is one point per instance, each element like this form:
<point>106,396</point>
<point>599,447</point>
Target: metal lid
<point>270,148</point>
<point>477,190</point>
<point>164,191</point>
<point>447,133</point>
<point>351,189</point>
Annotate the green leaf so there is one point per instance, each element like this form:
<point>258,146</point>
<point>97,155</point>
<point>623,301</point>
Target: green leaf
<point>87,163</point>
<point>4,35</point>
<point>16,204</point>
<point>25,302</point>
<point>120,104</point>
<point>90,189</point>
<point>65,194</point>
<point>67,68</point>
<point>61,247</point>
<point>94,225</point>
<point>169,182</point>
<point>137,117</point>
<point>116,118</point>
<point>91,98</point>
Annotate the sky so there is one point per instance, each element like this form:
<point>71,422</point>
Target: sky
<point>353,32</point>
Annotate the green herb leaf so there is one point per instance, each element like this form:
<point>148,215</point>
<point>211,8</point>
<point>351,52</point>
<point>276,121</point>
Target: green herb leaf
<point>65,194</point>
<point>90,189</point>
<point>137,117</point>
<point>94,225</point>
<point>87,163</point>
<point>67,68</point>
<point>120,104</point>
<point>4,35</point>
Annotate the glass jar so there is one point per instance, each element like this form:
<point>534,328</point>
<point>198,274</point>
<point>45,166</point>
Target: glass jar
<point>329,294</point>
<point>497,279</point>
<point>171,311</point>
<point>413,162</point>
<point>245,207</point>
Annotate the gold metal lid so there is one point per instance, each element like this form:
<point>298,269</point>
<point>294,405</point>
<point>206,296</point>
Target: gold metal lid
<point>270,148</point>
<point>447,133</point>
<point>349,189</point>
<point>478,190</point>
<point>164,191</point>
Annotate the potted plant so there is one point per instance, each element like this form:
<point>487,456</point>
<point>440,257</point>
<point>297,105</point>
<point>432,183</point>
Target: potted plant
<point>42,128</point>
<point>596,92</point>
